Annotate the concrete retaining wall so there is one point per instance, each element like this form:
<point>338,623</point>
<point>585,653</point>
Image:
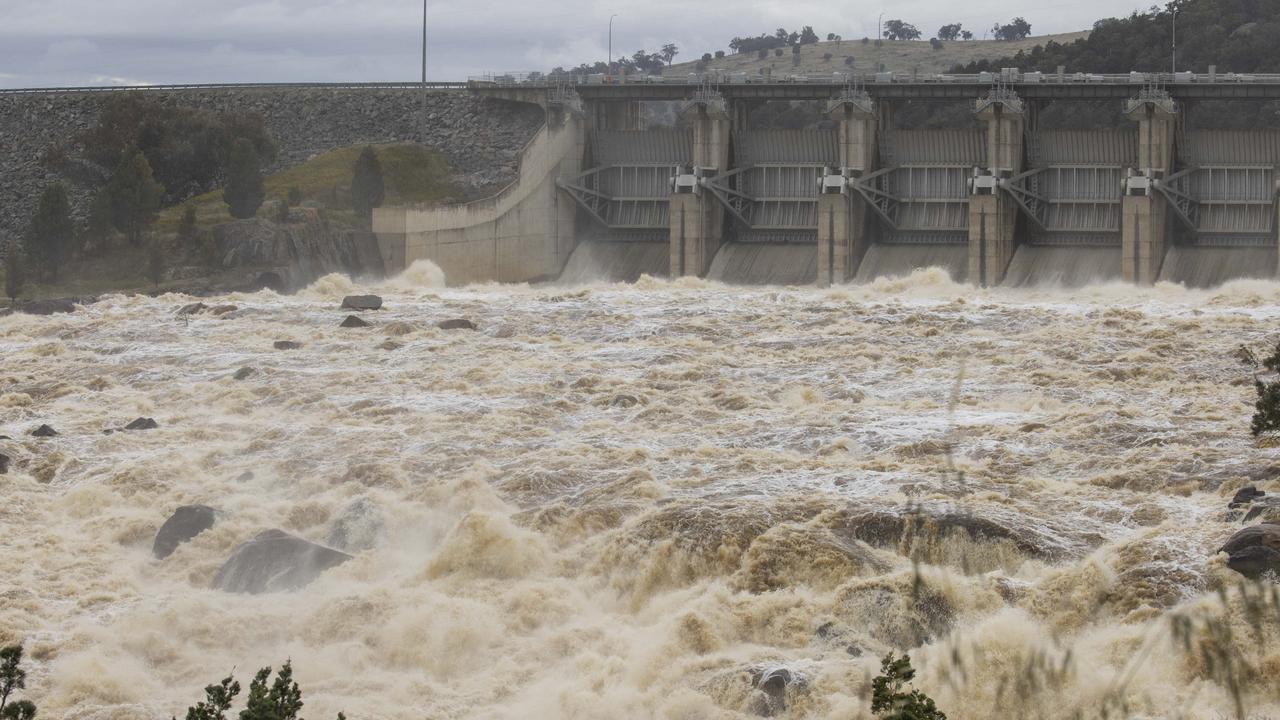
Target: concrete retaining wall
<point>523,233</point>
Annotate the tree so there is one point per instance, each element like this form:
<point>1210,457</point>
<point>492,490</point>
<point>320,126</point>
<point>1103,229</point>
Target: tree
<point>1017,29</point>
<point>15,270</point>
<point>890,699</point>
<point>135,195</point>
<point>13,677</point>
<point>669,52</point>
<point>719,54</point>
<point>706,57</point>
<point>950,31</point>
<point>899,30</point>
<point>244,192</point>
<point>52,232</point>
<point>1266,416</point>
<point>155,261</point>
<point>188,226</point>
<point>100,222</point>
<point>367,189</point>
<point>282,701</point>
<point>966,35</point>
<point>808,36</point>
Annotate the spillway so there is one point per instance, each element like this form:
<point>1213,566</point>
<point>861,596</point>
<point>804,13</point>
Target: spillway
<point>603,261</point>
<point>765,264</point>
<point>1062,266</point>
<point>1204,267</point>
<point>883,260</point>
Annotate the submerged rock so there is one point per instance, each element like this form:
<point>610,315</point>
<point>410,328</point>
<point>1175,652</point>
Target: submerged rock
<point>193,308</point>
<point>286,345</point>
<point>456,324</point>
<point>274,561</point>
<point>44,431</point>
<point>4,464</point>
<point>1254,550</point>
<point>186,522</point>
<point>353,322</point>
<point>46,307</point>
<point>362,302</point>
<point>244,373</point>
<point>1245,495</point>
<point>142,423</point>
<point>360,527</point>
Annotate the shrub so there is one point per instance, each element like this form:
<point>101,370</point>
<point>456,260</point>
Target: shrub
<point>935,43</point>
<point>13,677</point>
<point>295,196</point>
<point>826,57</point>
<point>719,54</point>
<point>1266,416</point>
<point>282,701</point>
<point>890,699</point>
<point>777,52</point>
<point>244,192</point>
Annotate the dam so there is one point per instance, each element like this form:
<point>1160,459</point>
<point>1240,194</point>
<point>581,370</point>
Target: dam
<point>999,195</point>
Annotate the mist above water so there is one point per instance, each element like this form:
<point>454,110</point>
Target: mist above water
<point>631,500</point>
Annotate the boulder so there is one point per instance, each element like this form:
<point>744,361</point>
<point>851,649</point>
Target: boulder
<point>222,309</point>
<point>4,464</point>
<point>361,526</point>
<point>456,324</point>
<point>1245,495</point>
<point>274,561</point>
<point>1254,550</point>
<point>46,307</point>
<point>353,322</point>
<point>185,523</point>
<point>362,302</point>
<point>193,308</point>
<point>286,345</point>
<point>244,373</point>
<point>142,423</point>
<point>44,431</point>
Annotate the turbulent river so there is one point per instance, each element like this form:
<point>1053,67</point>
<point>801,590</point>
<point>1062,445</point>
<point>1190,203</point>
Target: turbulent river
<point>668,499</point>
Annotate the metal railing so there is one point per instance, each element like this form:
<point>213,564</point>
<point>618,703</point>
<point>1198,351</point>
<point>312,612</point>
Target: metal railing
<point>239,86</point>
<point>1008,76</point>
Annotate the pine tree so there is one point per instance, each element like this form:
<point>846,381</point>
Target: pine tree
<point>52,232</point>
<point>217,702</point>
<point>367,188</point>
<point>135,195</point>
<point>15,270</point>
<point>13,677</point>
<point>244,192</point>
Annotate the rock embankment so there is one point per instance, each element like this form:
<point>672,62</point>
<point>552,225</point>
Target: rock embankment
<point>481,138</point>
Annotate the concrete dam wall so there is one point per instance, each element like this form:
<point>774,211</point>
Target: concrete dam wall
<point>1000,201</point>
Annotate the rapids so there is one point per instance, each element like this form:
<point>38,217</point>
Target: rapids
<point>617,501</point>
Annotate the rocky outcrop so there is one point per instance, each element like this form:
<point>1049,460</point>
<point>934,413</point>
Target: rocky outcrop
<point>1254,550</point>
<point>362,302</point>
<point>296,253</point>
<point>274,561</point>
<point>360,527</point>
<point>185,523</point>
<point>481,138</point>
<point>353,322</point>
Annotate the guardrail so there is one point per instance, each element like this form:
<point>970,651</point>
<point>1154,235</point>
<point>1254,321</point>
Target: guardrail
<point>1008,76</point>
<point>239,86</point>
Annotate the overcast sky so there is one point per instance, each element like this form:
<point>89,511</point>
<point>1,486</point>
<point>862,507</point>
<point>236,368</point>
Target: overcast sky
<point>104,42</point>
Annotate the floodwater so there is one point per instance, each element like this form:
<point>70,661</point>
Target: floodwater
<point>619,501</point>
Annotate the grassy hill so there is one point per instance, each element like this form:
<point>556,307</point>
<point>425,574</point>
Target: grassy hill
<point>896,55</point>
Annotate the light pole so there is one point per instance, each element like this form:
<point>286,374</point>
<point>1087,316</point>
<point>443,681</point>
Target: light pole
<point>422,119</point>
<point>609,64</point>
<point>880,27</point>
<point>1173,60</point>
